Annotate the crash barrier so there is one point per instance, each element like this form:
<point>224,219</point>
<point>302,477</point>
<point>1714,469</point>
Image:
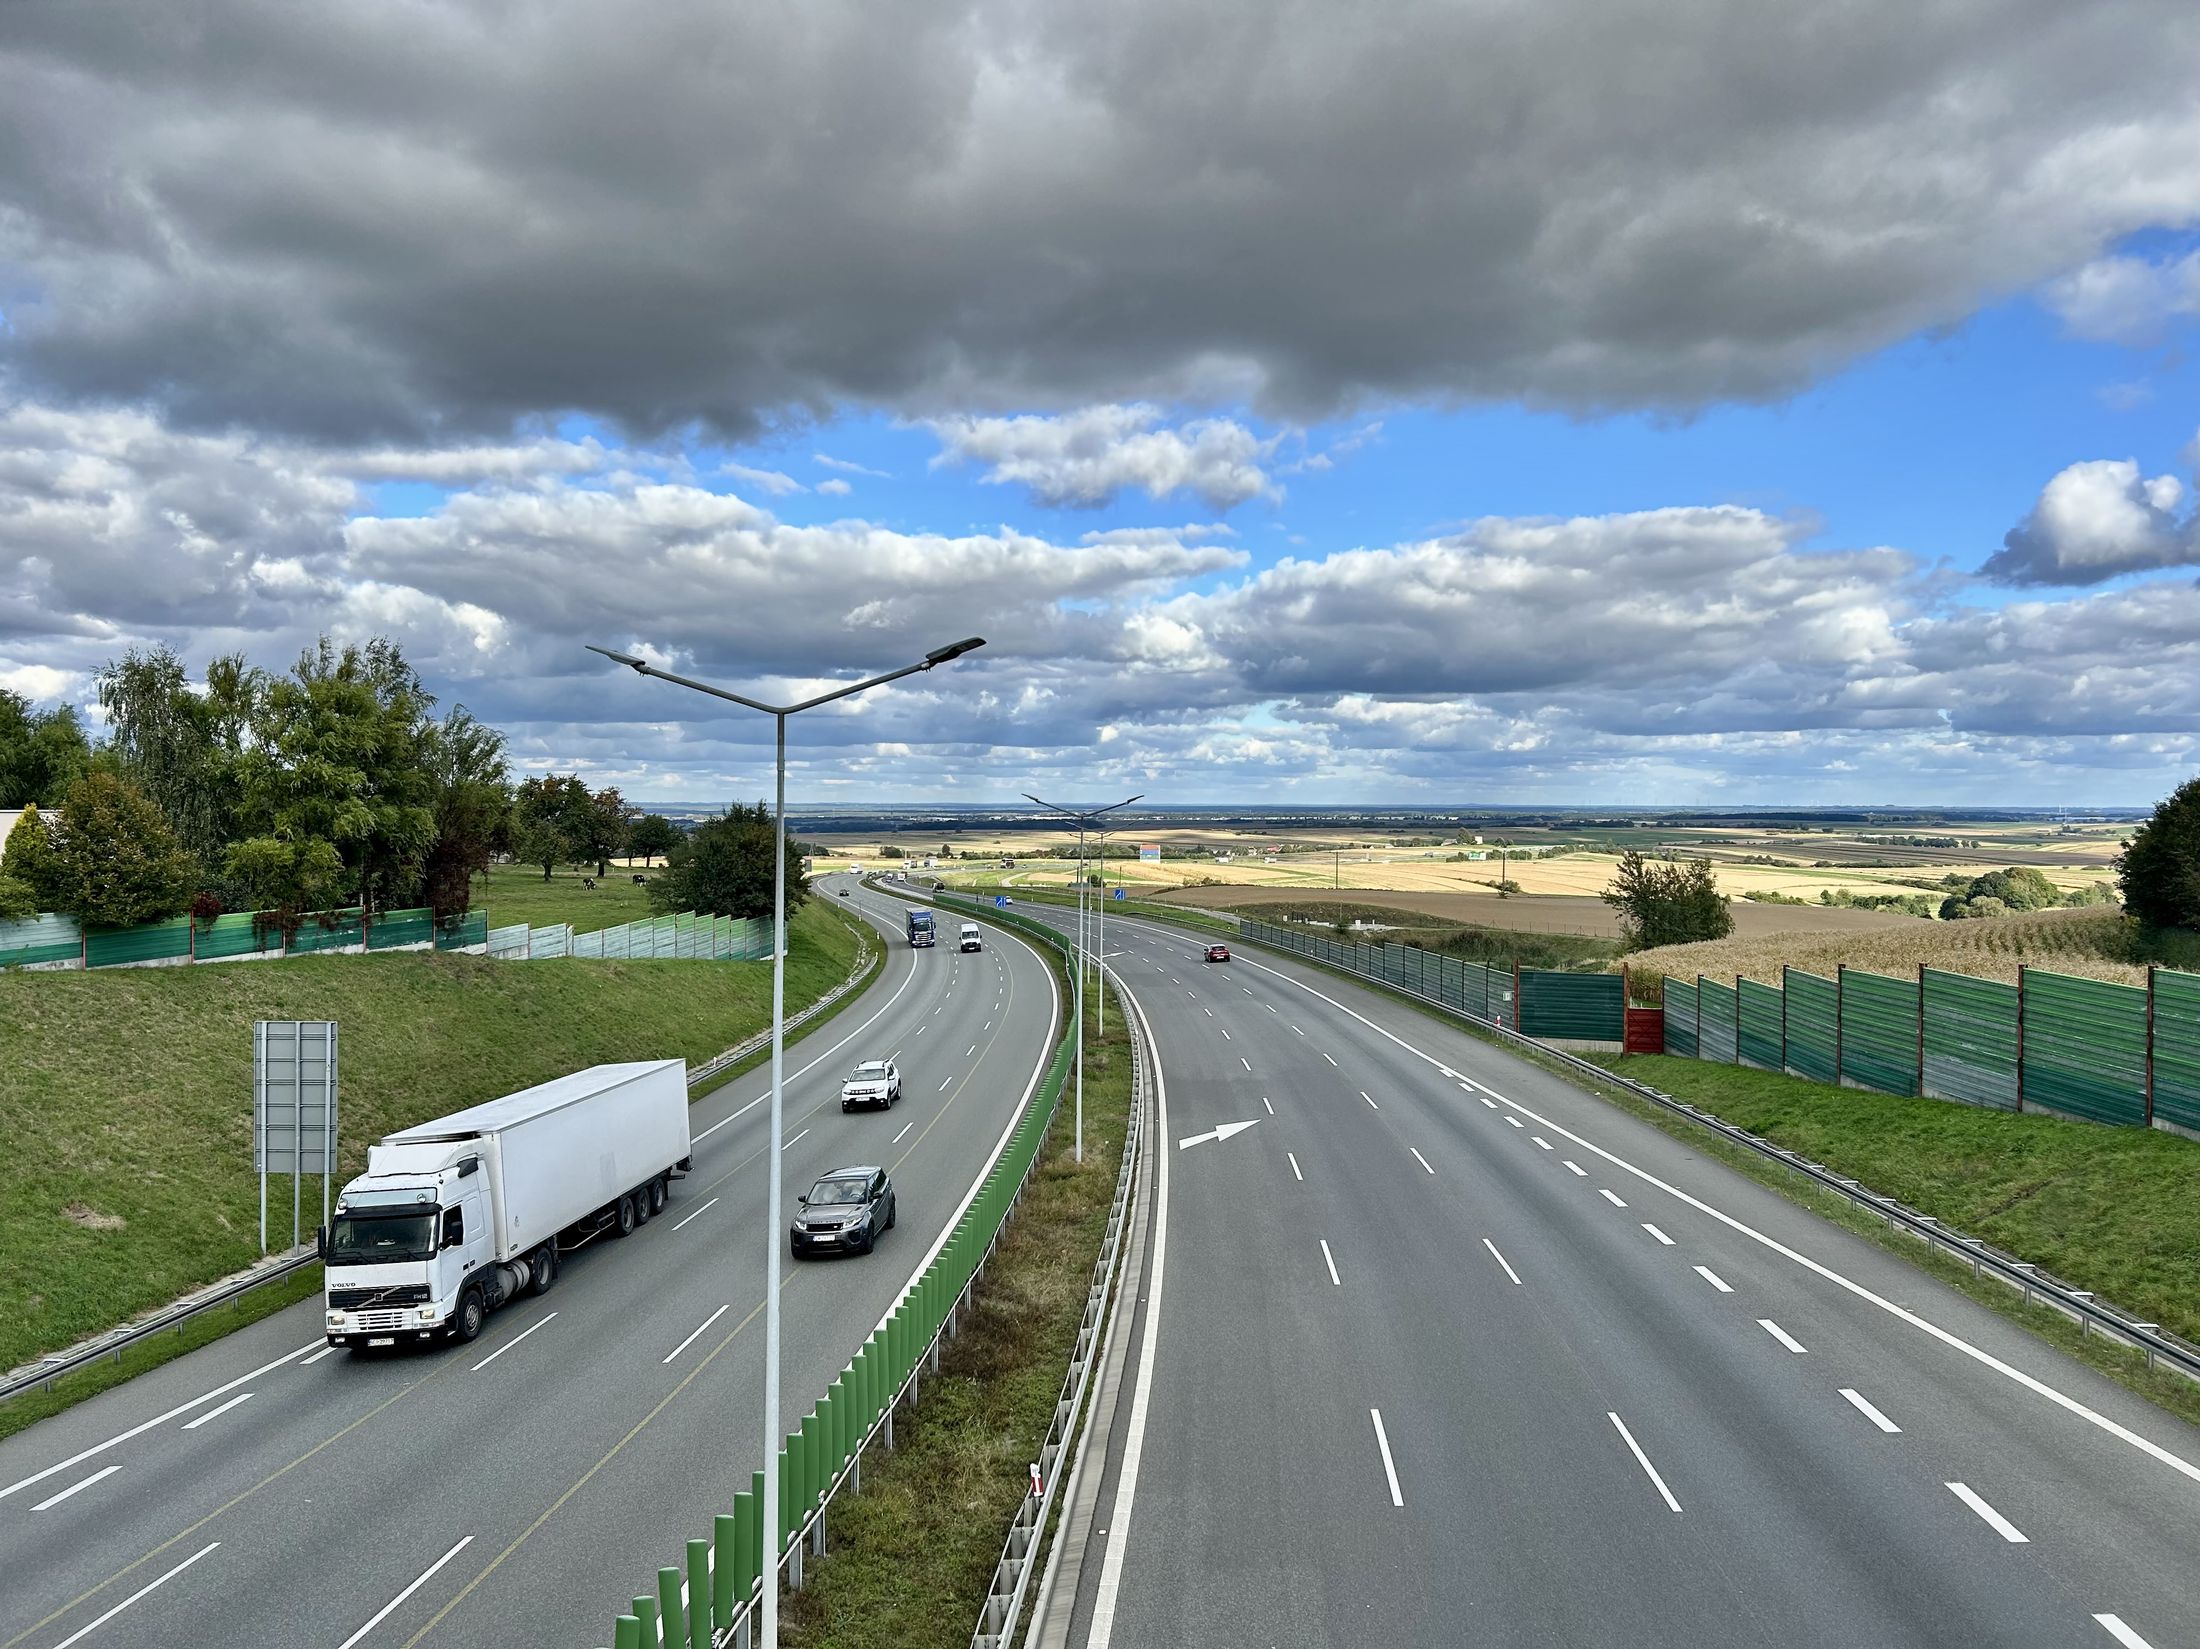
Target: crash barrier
<point>2084,1048</point>
<point>60,942</point>
<point>1585,1010</point>
<point>708,1601</point>
<point>682,936</point>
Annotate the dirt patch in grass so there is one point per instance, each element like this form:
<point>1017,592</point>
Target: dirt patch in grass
<point>908,1560</point>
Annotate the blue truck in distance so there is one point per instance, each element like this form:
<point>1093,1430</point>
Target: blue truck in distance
<point>920,927</point>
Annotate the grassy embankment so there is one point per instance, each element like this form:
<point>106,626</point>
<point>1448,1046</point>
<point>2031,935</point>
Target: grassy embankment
<point>125,1099</point>
<point>909,1558</point>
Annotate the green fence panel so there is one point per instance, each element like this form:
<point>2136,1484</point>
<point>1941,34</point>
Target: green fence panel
<point>1572,1007</point>
<point>462,932</point>
<point>2085,1047</point>
<point>2177,1048</point>
<point>51,937</point>
<point>1811,1029</point>
<point>1764,1016</point>
<point>1715,1009</point>
<point>328,930</point>
<point>237,934</point>
<point>1680,1017</point>
<point>154,942</point>
<point>1879,1032</point>
<point>392,928</point>
<point>1970,1039</point>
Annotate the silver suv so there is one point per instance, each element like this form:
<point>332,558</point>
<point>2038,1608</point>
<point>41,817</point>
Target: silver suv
<point>875,1083</point>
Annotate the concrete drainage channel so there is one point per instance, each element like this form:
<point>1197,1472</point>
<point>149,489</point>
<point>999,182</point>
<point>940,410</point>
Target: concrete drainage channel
<point>229,1290</point>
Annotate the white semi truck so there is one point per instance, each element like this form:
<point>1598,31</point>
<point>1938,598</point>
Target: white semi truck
<point>455,1217</point>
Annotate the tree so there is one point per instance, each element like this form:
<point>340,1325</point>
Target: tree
<point>541,820</point>
<point>472,804</point>
<point>1668,903</point>
<point>27,857</point>
<point>724,868</point>
<point>116,862</point>
<point>42,753</point>
<point>2159,869</point>
<point>17,901</point>
<point>182,746</point>
<point>284,879</point>
<point>598,825</point>
<point>889,851</point>
<point>339,755</point>
<point>652,834</point>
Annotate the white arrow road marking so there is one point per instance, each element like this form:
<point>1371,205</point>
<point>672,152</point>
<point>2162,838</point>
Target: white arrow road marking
<point>1223,1132</point>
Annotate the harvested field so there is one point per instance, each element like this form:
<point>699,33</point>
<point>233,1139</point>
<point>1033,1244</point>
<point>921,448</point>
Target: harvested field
<point>1545,914</point>
<point>2098,944</point>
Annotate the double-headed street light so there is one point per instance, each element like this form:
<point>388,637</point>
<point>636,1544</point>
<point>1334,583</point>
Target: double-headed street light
<point>768,1635</point>
<point>1085,820</point>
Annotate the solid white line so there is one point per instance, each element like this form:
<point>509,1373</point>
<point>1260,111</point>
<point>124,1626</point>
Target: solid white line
<point>87,1631</point>
<point>1865,1408</point>
<point>385,1611</point>
<point>1713,1278</point>
<point>1643,1460</point>
<point>905,1127</point>
<point>1778,1333</point>
<point>515,1339</point>
<point>325,1351</point>
<point>699,1213</point>
<point>1332,1264</point>
<point>790,1145</point>
<point>1382,1441</point>
<point>1578,1169</point>
<point>1500,1259</point>
<point>691,1339</point>
<point>1423,1161</point>
<point>1655,1232</point>
<point>158,1420</point>
<point>1994,1520</point>
<point>76,1488</point>
<point>216,1414</point>
<point>1364,1095</point>
<point>1332,1058</point>
<point>2123,1634</point>
<point>1611,1197</point>
<point>1270,1109</point>
<point>1294,1161</point>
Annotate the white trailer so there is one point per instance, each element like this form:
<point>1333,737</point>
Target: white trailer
<point>455,1217</point>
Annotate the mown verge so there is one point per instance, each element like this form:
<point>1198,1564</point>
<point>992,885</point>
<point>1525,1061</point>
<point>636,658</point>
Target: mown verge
<point>908,1560</point>
<point>125,1096</point>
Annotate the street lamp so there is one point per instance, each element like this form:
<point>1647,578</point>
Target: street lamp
<point>1084,820</point>
<point>768,1513</point>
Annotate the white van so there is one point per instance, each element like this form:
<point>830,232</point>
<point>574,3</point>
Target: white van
<point>969,940</point>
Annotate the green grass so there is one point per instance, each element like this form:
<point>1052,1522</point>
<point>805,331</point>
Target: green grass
<point>517,893</point>
<point>125,1095</point>
<point>908,1560</point>
<point>2114,1210</point>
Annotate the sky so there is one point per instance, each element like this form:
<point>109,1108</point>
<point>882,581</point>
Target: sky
<point>1594,402</point>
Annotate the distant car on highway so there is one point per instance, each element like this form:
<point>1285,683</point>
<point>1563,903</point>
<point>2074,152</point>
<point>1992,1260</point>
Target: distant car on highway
<point>844,1213</point>
<point>875,1083</point>
<point>1218,953</point>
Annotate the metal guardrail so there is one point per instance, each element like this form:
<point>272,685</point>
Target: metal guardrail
<point>115,1342</point>
<point>2078,1304</point>
<point>998,1619</point>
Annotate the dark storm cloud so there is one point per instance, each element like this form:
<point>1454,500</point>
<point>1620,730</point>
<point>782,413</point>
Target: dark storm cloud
<point>350,222</point>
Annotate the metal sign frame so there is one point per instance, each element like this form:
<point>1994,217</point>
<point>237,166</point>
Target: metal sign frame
<point>294,1110</point>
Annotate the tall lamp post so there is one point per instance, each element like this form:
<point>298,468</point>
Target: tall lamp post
<point>1085,821</point>
<point>768,1513</point>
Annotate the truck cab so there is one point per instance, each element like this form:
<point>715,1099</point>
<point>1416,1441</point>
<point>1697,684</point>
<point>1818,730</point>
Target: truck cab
<point>920,927</point>
<point>970,939</point>
<point>405,1240</point>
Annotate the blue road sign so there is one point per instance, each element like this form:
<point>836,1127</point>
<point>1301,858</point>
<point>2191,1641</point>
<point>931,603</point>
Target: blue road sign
<point>1000,898</point>
<point>1119,893</point>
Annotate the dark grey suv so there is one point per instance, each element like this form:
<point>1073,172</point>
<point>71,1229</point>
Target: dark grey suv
<point>845,1212</point>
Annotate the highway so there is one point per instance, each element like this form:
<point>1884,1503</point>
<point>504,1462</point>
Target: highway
<point>1443,1350</point>
<point>268,1490</point>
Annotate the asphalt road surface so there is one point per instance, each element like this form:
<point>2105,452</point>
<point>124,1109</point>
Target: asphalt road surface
<point>518,1490</point>
<point>1442,1350</point>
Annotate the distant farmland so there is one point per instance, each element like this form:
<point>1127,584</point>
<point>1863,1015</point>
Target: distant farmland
<point>1545,914</point>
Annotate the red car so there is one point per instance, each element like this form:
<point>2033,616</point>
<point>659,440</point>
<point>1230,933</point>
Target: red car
<point>1218,953</point>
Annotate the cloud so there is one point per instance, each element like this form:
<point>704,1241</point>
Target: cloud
<point>845,467</point>
<point>1084,458</point>
<point>835,487</point>
<point>772,481</point>
<point>2126,300</point>
<point>410,225</point>
<point>2095,521</point>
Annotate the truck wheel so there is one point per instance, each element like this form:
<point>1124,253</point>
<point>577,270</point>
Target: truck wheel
<point>657,1197</point>
<point>542,1270</point>
<point>626,1220</point>
<point>466,1326</point>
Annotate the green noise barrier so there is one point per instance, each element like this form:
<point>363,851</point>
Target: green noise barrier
<point>1812,1020</point>
<point>1970,1039</point>
<point>2085,1047</point>
<point>1717,1017</point>
<point>2177,1048</point>
<point>1680,1017</point>
<point>1878,1032</point>
<point>1762,1040</point>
